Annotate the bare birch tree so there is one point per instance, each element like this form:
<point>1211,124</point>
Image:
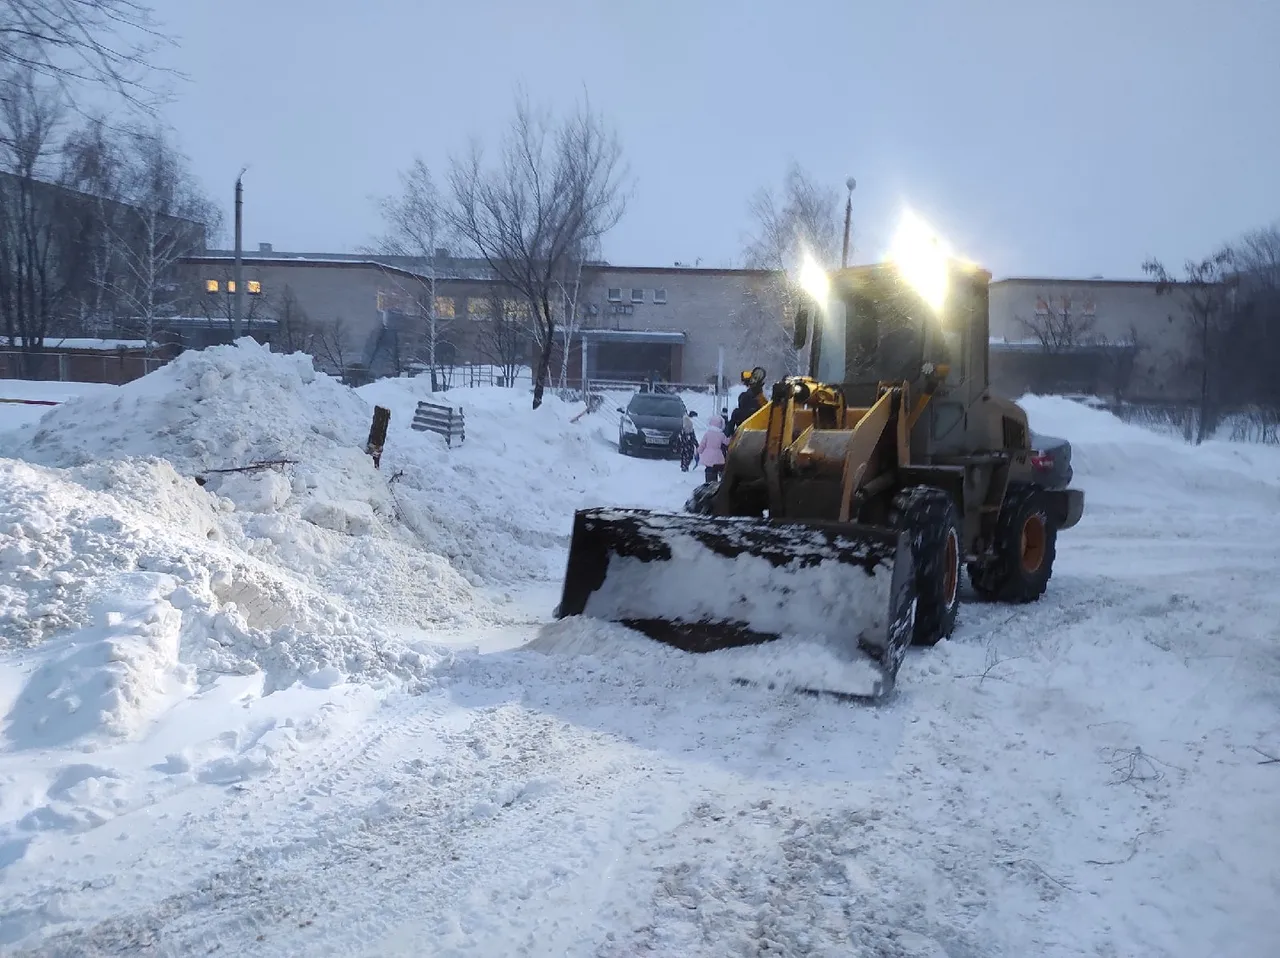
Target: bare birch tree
<point>570,289</point>
<point>295,332</point>
<point>506,337</point>
<point>93,163</point>
<point>803,219</point>
<point>555,188</point>
<point>1206,296</point>
<point>164,220</point>
<point>417,226</point>
<point>38,250</point>
<point>68,44</point>
<point>1057,325</point>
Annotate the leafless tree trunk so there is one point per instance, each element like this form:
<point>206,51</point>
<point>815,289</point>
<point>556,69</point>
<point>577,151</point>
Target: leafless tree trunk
<point>1121,360</point>
<point>805,219</point>
<point>505,339</point>
<point>165,219</point>
<point>37,249</point>
<point>295,333</point>
<point>93,165</point>
<point>332,346</point>
<point>417,226</point>
<point>555,189</point>
<point>1057,326</point>
<point>1206,295</point>
<point>570,296</point>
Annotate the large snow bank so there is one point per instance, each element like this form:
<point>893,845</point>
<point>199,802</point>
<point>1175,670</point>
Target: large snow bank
<point>128,582</point>
<point>1126,465</point>
<point>300,569</point>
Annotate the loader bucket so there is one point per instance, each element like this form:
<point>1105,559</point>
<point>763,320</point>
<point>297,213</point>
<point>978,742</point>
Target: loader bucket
<point>704,583</point>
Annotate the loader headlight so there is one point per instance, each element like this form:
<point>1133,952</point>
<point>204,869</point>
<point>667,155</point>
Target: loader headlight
<point>628,426</point>
<point>813,279</point>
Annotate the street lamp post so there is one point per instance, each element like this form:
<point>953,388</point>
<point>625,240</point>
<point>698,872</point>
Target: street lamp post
<point>848,217</point>
<point>237,301</point>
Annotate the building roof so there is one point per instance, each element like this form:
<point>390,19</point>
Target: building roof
<point>633,335</point>
<point>1073,281</point>
<point>81,344</point>
<point>447,267</point>
<point>218,258</point>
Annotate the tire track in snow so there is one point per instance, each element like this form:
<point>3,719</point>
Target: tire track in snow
<point>262,817</point>
<point>520,806</point>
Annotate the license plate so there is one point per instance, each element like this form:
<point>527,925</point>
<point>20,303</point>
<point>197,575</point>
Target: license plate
<point>655,442</point>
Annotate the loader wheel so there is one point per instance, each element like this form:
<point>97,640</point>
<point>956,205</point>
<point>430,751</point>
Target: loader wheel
<point>1025,546</point>
<point>929,516</point>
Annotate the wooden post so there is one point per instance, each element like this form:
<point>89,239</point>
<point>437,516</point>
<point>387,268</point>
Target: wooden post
<point>378,434</point>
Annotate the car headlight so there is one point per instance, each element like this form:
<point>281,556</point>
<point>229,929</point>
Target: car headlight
<point>628,426</point>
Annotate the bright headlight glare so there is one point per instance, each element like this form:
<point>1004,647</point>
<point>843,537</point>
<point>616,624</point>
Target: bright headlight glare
<point>813,279</point>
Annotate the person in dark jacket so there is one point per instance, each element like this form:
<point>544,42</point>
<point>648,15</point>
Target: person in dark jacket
<point>751,400</point>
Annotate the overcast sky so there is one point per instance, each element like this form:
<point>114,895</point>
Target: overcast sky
<point>1041,137</point>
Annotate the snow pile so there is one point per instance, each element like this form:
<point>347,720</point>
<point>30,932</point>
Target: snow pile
<point>1126,465</point>
<point>113,675</point>
<point>789,663</point>
<point>500,504</point>
<point>214,408</point>
<point>129,584</point>
<point>323,511</point>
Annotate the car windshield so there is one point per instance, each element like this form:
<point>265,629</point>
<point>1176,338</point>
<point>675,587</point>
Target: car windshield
<point>670,407</point>
<point>873,334</point>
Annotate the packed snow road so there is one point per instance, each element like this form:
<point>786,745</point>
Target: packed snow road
<point>1085,776</point>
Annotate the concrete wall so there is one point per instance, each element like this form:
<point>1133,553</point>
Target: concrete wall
<point>1112,311</point>
<point>733,309</point>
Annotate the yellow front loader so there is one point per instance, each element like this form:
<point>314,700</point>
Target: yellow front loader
<point>851,499</point>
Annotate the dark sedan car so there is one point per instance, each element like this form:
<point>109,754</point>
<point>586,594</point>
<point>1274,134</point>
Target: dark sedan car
<point>1051,460</point>
<point>651,423</point>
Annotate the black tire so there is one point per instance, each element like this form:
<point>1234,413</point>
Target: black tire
<point>930,518</point>
<point>1025,547</point>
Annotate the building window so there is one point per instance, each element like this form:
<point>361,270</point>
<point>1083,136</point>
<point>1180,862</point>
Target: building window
<point>231,286</point>
<point>637,296</point>
<point>515,309</point>
<point>254,287</point>
<point>444,307</point>
<point>477,308</point>
<point>660,296</point>
<point>615,294</point>
<point>211,286</point>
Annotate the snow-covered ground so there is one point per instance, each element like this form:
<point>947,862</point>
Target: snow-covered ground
<point>321,709</point>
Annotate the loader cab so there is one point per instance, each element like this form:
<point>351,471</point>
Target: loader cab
<point>875,327</point>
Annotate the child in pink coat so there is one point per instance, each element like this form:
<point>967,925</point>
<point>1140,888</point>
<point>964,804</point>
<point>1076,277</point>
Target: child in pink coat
<point>712,448</point>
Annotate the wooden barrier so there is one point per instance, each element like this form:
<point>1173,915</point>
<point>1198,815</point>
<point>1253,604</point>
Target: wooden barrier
<point>442,420</point>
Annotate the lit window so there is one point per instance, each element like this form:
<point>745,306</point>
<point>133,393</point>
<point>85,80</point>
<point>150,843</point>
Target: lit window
<point>444,307</point>
<point>231,286</point>
<point>615,294</point>
<point>637,296</point>
<point>254,287</point>
<point>515,308</point>
<point>659,296</point>
<point>211,286</point>
<point>477,308</point>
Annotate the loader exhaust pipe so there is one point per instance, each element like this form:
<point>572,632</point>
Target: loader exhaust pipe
<point>702,583</point>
